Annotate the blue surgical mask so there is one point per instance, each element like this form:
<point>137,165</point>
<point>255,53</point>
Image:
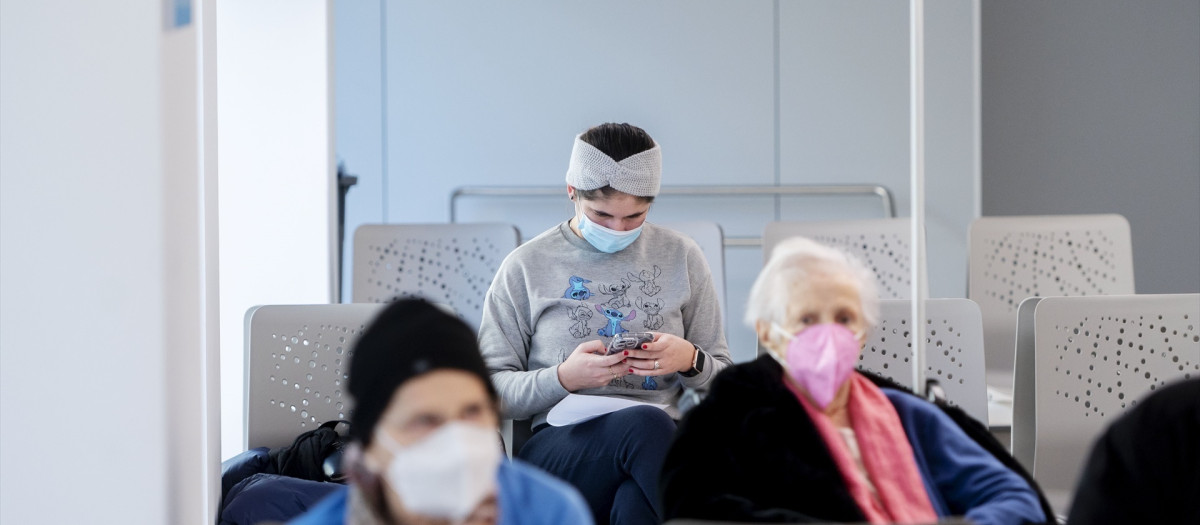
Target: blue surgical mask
<point>604,239</point>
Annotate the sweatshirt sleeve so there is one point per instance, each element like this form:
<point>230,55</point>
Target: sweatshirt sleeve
<point>967,479</point>
<point>702,320</point>
<point>504,340</point>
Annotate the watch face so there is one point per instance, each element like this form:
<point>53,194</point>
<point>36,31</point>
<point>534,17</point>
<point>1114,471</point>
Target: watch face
<point>699,361</point>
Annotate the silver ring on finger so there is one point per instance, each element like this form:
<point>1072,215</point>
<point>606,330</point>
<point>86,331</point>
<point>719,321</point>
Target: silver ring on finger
<point>656,365</point>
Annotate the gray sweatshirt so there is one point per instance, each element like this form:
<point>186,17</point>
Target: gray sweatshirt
<point>557,291</point>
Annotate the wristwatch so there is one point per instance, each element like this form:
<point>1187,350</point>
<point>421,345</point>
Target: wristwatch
<point>697,363</point>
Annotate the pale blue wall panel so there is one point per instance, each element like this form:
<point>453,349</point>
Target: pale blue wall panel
<point>844,117</point>
<point>358,115</point>
<point>844,94</point>
<point>483,93</point>
<point>951,130</point>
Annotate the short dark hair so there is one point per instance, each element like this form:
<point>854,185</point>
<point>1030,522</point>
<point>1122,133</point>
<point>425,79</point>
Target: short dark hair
<point>619,142</point>
<point>409,338</point>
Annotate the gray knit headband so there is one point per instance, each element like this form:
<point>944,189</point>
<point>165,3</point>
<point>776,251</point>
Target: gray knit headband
<point>638,175</point>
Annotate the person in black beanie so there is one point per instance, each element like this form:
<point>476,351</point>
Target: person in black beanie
<point>409,338</point>
<point>425,447</point>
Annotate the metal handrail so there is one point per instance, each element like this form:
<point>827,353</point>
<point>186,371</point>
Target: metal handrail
<point>885,196</point>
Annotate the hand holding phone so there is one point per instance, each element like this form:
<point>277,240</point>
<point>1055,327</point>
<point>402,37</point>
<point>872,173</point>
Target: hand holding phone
<point>628,341</point>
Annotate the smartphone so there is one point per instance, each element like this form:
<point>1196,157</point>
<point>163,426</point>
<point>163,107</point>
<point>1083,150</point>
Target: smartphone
<point>628,340</point>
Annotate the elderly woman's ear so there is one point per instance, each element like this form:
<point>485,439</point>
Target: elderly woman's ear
<point>763,330</point>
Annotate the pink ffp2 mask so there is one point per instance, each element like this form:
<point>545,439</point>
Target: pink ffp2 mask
<point>820,358</point>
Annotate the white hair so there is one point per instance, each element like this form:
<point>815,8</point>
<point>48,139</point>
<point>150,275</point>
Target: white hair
<point>795,259</point>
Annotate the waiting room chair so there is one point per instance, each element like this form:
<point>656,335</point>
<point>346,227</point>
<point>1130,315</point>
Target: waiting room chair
<point>297,360</point>
<point>1012,258</point>
<point>711,239</point>
<point>882,244</point>
<point>452,264</point>
<point>1093,358</point>
<point>1022,432</point>
<point>953,349</point>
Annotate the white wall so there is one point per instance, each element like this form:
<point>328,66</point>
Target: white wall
<point>191,345</point>
<point>276,173</point>
<point>749,92</point>
<point>103,253</point>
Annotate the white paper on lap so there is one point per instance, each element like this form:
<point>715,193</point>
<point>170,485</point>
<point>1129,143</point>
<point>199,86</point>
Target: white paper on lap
<point>576,408</point>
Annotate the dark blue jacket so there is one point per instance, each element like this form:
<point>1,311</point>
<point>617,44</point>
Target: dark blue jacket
<point>252,493</point>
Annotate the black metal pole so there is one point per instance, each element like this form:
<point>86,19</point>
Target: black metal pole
<point>345,181</point>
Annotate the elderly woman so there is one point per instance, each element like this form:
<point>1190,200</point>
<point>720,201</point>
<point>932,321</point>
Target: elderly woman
<point>799,435</point>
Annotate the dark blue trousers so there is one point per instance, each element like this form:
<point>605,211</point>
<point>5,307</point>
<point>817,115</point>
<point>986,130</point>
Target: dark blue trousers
<point>614,460</point>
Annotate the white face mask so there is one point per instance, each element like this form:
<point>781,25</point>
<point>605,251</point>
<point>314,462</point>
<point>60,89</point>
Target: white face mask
<point>605,239</point>
<point>446,474</point>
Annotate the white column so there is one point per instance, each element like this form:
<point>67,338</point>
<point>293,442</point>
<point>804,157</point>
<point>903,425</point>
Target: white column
<point>191,341</point>
<point>917,188</point>
<point>105,253</point>
<point>276,173</point>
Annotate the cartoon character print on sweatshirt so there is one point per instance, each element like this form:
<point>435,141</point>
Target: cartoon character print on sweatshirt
<point>617,291</point>
<point>581,314</point>
<point>615,317</point>
<point>653,319</point>
<point>647,278</point>
<point>576,289</point>
<point>623,382</point>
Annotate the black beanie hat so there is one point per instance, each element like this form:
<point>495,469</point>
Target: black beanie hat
<point>408,338</point>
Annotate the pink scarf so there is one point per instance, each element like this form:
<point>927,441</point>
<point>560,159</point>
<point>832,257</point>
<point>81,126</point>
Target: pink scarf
<point>885,452</point>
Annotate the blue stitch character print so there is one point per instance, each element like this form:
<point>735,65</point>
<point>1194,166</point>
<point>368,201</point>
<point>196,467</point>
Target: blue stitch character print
<point>614,321</point>
<point>577,290</point>
<point>581,315</point>
<point>618,292</point>
<point>653,320</point>
<point>647,279</point>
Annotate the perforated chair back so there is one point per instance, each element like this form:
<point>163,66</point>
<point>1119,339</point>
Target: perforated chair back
<point>954,349</point>
<point>1094,358</point>
<point>882,244</point>
<point>1012,258</point>
<point>296,367</point>
<point>711,239</point>
<point>452,264</point>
